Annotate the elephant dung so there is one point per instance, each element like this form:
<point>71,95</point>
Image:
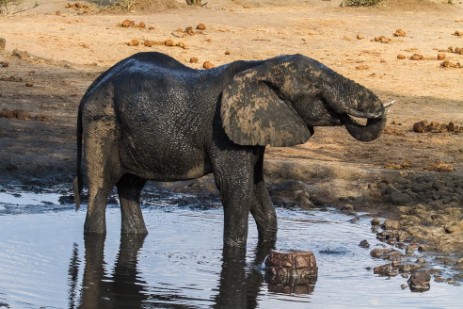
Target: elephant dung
<point>291,272</point>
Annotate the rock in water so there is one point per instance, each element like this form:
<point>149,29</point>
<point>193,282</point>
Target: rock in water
<point>291,272</point>
<point>420,281</point>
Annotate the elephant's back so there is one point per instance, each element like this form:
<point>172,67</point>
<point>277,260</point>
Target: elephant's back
<point>167,100</point>
<point>160,60</point>
<point>148,64</point>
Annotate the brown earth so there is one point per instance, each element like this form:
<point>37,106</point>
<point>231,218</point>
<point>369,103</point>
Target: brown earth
<point>51,53</point>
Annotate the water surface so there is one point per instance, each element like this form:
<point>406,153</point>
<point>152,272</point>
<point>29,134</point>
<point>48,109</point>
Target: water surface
<point>45,262</point>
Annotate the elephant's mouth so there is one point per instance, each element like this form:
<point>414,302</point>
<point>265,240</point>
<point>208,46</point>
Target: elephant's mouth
<point>358,121</point>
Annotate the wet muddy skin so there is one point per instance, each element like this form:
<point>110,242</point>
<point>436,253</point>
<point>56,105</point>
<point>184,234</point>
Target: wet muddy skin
<point>47,262</point>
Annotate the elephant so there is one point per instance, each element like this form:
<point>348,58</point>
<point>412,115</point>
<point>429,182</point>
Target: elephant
<point>149,117</point>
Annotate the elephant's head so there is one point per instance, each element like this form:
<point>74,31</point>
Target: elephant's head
<point>280,101</point>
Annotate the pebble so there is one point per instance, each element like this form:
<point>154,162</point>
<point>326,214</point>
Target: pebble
<point>399,198</point>
<point>421,261</point>
<point>453,227</point>
<point>386,254</point>
<point>387,270</point>
<point>459,265</point>
<point>439,279</point>
<point>364,244</point>
<point>408,268</point>
<point>390,225</point>
<point>201,27</point>
<point>208,65</point>
<point>347,208</point>
<point>410,249</point>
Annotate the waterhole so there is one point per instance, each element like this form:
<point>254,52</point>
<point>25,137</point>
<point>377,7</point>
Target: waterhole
<point>45,262</point>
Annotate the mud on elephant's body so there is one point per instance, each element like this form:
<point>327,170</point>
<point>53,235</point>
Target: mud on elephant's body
<point>149,117</point>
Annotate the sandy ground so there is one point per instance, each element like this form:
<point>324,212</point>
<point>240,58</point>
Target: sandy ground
<point>55,49</point>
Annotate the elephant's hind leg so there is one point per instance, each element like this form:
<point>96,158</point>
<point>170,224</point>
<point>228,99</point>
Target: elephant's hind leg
<point>103,170</point>
<point>98,193</point>
<point>129,188</point>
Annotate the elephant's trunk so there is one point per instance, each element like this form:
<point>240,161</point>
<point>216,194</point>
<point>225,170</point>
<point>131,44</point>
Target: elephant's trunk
<point>353,100</point>
<point>372,130</point>
<point>371,109</point>
<point>376,121</point>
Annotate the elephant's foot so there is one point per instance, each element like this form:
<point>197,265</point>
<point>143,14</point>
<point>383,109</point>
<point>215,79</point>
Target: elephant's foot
<point>268,237</point>
<point>134,230</point>
<point>92,227</point>
<point>132,222</point>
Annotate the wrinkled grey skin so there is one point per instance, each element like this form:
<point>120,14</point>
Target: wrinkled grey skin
<point>150,117</point>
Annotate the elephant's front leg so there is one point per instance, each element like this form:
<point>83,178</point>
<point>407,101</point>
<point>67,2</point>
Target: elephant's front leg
<point>237,204</point>
<point>234,177</point>
<point>264,214</point>
<point>262,208</point>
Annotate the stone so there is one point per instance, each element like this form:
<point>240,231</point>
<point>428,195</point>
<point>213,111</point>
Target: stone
<point>421,187</point>
<point>420,281</point>
<point>201,27</point>
<point>208,65</point>
<point>453,227</point>
<point>439,279</point>
<point>364,244</point>
<point>387,270</point>
<point>408,268</point>
<point>390,224</point>
<point>410,249</point>
<point>398,198</point>
<point>291,271</point>
<point>375,221</point>
<point>295,263</point>
<point>347,208</point>
<point>400,33</point>
<point>291,193</point>
<point>387,254</point>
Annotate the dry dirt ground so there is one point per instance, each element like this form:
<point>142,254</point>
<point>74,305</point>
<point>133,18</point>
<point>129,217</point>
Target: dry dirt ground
<point>408,51</point>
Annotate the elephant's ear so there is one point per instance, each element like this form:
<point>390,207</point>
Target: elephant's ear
<point>253,113</point>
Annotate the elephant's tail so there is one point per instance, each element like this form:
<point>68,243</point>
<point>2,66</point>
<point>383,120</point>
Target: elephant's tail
<point>77,183</point>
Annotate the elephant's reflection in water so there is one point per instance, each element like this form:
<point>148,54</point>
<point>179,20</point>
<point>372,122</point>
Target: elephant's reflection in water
<point>121,289</point>
<point>238,287</point>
